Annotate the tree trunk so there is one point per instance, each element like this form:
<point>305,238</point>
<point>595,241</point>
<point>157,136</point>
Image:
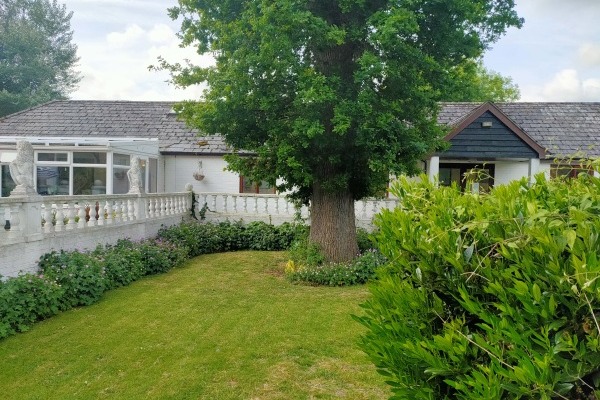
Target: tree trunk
<point>332,224</point>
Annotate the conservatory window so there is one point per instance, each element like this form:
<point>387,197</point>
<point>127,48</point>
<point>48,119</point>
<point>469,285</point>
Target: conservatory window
<point>52,180</point>
<point>6,182</point>
<point>121,164</point>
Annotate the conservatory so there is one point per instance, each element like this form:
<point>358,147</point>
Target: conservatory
<point>82,166</point>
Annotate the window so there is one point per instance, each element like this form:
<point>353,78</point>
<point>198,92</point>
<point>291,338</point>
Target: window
<point>89,180</point>
<point>469,177</point>
<point>52,180</point>
<point>568,171</point>
<point>247,186</point>
<point>153,176</point>
<point>6,182</point>
<point>53,157</point>
<point>89,157</point>
<point>121,164</point>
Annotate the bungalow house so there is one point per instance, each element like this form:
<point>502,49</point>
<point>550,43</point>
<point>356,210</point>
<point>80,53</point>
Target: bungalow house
<point>84,147</point>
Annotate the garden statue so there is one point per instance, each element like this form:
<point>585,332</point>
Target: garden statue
<point>21,170</point>
<point>135,176</point>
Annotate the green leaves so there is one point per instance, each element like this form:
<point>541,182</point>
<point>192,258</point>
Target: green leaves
<point>37,58</point>
<point>512,282</point>
<point>348,87</point>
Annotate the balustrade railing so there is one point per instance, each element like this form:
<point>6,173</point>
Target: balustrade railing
<point>248,205</point>
<point>68,213</point>
<point>65,213</point>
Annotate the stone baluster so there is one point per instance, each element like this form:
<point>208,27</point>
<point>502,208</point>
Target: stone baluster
<point>364,209</point>
<point>287,206</point>
<point>169,208</point>
<point>234,199</point>
<point>245,205</point>
<point>81,214</point>
<point>152,207</point>
<point>90,214</point>
<point>255,209</point>
<point>59,217</point>
<point>375,203</point>
<point>108,211</point>
<point>124,210</point>
<point>276,205</point>
<point>70,216</point>
<point>130,210</point>
<point>266,209</point>
<point>46,218</point>
<point>225,196</point>
<point>213,203</point>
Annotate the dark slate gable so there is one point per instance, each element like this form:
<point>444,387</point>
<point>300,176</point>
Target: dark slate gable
<point>563,129</point>
<point>497,141</point>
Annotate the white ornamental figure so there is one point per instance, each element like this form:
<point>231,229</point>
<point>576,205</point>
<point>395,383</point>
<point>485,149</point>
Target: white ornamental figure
<point>135,176</point>
<point>21,170</point>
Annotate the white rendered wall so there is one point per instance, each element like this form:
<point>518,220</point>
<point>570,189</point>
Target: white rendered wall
<point>23,256</point>
<point>507,171</point>
<point>178,171</point>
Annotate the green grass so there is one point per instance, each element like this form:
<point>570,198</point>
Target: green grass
<point>224,326</point>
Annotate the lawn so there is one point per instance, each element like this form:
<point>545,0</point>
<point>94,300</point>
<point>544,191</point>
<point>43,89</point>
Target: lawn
<point>224,326</point>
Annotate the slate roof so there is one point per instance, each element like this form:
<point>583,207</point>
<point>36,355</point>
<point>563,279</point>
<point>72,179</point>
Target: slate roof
<point>563,129</point>
<point>93,119</point>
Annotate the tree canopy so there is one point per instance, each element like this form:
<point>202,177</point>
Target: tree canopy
<point>471,81</point>
<point>37,56</point>
<point>332,96</point>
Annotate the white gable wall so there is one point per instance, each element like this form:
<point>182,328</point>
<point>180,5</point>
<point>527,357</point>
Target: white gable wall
<point>178,171</point>
<point>507,171</point>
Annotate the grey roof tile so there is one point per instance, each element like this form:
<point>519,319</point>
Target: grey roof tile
<point>110,119</point>
<point>562,128</point>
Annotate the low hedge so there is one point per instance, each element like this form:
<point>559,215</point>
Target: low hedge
<point>68,279</point>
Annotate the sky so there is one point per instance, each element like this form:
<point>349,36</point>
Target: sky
<point>554,57</point>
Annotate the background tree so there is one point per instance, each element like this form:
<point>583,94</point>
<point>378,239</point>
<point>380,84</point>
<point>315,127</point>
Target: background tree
<point>471,81</point>
<point>37,58</point>
<point>330,95</point>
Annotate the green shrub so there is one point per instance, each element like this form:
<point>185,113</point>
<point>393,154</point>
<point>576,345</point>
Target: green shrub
<point>79,274</point>
<point>364,239</point>
<point>303,252</point>
<point>358,271</point>
<point>25,300</point>
<point>160,256</point>
<point>123,263</point>
<point>489,296</point>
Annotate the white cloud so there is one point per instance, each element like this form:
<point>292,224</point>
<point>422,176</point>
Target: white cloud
<point>129,37</point>
<point>162,33</point>
<point>116,66</point>
<point>566,85</point>
<point>589,54</point>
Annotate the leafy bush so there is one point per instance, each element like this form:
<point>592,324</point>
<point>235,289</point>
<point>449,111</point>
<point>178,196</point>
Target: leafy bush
<point>80,275</point>
<point>160,256</point>
<point>206,238</point>
<point>26,299</point>
<point>360,270</point>
<point>123,263</point>
<point>364,239</point>
<point>489,296</point>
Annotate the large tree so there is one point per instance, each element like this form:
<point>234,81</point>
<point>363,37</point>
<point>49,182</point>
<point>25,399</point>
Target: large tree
<point>331,95</point>
<point>471,81</point>
<point>37,56</point>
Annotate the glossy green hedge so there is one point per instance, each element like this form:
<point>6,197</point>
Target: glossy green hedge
<point>489,296</point>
